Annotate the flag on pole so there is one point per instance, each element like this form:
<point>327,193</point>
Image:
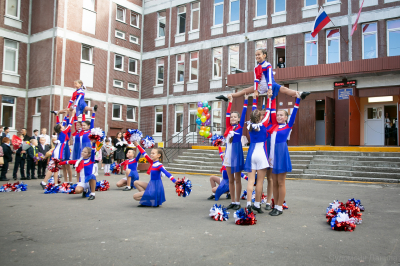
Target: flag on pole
<point>320,22</point>
<point>358,16</point>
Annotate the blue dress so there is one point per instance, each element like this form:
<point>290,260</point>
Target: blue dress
<point>132,165</point>
<point>61,151</point>
<point>76,150</point>
<point>80,101</point>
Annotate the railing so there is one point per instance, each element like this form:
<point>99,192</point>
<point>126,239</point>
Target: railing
<point>185,139</point>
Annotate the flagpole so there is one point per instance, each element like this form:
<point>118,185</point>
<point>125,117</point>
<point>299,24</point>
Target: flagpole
<point>340,32</point>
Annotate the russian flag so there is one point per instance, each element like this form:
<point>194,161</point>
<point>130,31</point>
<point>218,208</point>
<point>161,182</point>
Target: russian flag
<point>320,22</point>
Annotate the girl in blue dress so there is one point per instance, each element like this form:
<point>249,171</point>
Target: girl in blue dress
<point>76,150</point>
<point>152,194</point>
<point>234,159</point>
<point>84,140</point>
<point>279,156</point>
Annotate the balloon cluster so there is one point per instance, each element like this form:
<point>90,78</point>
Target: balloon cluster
<point>148,142</point>
<point>203,119</point>
<point>115,168</point>
<point>217,140</point>
<point>219,213</point>
<point>103,185</point>
<point>243,217</point>
<point>96,134</point>
<point>132,135</point>
<point>16,187</point>
<point>344,217</point>
<point>183,187</point>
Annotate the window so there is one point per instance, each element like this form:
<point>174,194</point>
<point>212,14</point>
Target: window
<point>310,2</point>
<point>180,68</point>
<point>216,117</point>
<point>261,8</point>
<point>8,111</point>
<point>192,116</point>
<point>160,71</point>
<point>217,63</point>
<point>120,34</point>
<point>121,14</point>
<point>234,10</point>
<point>178,118</point>
<point>159,120</point>
<point>117,112</point>
<point>134,39</point>
<point>333,46</point>
<point>87,54</point>
<point>280,6</point>
<point>132,67</point>
<point>118,83</point>
<point>37,105</point>
<point>233,57</point>
<point>279,49</point>
<point>89,4</point>
<point>195,17</point>
<point>13,8</point>
<point>181,19</point>
<point>311,54</point>
<point>262,44</point>
<point>218,12</point>
<point>393,27</point>
<point>194,65</point>
<point>131,113</point>
<point>331,1</point>
<point>134,19</point>
<point>88,116</point>
<point>161,24</point>
<point>132,87</point>
<point>369,41</point>
<point>10,56</point>
<point>119,62</point>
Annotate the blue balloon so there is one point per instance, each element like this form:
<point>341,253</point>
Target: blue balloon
<point>198,126</point>
<point>198,121</point>
<point>205,103</point>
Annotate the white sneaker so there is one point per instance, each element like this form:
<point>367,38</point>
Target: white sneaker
<point>102,168</point>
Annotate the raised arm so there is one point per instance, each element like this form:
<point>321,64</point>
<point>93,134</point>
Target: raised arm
<point>93,155</point>
<point>228,115</point>
<point>254,106</point>
<point>221,153</point>
<point>293,116</point>
<point>144,154</point>
<point>92,120</point>
<point>167,174</point>
<point>243,117</point>
<point>138,156</point>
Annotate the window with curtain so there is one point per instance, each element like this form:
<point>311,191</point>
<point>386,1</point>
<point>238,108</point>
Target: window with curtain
<point>311,53</point>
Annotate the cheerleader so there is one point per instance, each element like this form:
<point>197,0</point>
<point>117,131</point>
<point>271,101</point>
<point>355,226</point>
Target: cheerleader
<point>78,99</point>
<point>85,169</point>
<point>234,159</point>
<point>130,167</point>
<point>76,147</point>
<point>279,156</point>
<point>152,193</point>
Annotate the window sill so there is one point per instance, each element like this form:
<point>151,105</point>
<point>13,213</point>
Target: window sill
<point>309,7</point>
<point>233,22</point>
<point>218,29</point>
<point>279,14</point>
<point>132,90</point>
<point>260,17</point>
<point>90,10</point>
<point>119,87</point>
<point>117,119</point>
<point>137,27</point>
<point>260,21</point>
<point>233,26</point>
<point>13,18</point>
<point>192,81</point>
<point>193,35</point>
<point>332,3</point>
<point>87,63</point>
<point>217,26</point>
<point>120,38</point>
<point>180,37</point>
<point>193,31</point>
<point>13,22</point>
<point>309,11</point>
<point>11,73</point>
<point>133,73</point>
<point>132,121</point>
<point>279,17</point>
<point>121,21</point>
<point>159,41</point>
<point>157,134</point>
<point>119,70</point>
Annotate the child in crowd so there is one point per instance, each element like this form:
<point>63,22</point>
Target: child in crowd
<point>31,152</point>
<point>107,151</point>
<point>20,157</point>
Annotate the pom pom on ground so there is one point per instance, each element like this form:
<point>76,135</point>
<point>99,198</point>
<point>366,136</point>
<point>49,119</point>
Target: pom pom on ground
<point>244,217</point>
<point>103,185</point>
<point>65,188</point>
<point>183,187</point>
<point>148,142</point>
<point>344,217</point>
<point>115,168</point>
<point>244,195</point>
<point>51,189</point>
<point>218,213</point>
<point>16,187</point>
<point>72,189</point>
<point>96,134</point>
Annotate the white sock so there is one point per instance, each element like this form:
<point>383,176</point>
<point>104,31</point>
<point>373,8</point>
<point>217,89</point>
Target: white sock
<point>234,203</point>
<point>248,204</point>
<point>128,187</point>
<point>300,92</point>
<point>257,204</point>
<point>279,208</point>
<point>213,194</point>
<point>43,183</point>
<point>92,193</point>
<point>268,204</point>
<point>237,203</point>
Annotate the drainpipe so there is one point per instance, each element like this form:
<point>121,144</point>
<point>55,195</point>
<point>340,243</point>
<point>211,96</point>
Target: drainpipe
<point>108,66</point>
<point>52,61</point>
<point>141,71</point>
<point>245,33</point>
<point>28,52</point>
<point>169,66</point>
<point>349,27</point>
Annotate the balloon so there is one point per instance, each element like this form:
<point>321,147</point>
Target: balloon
<point>209,108</point>
<point>209,137</point>
<point>208,116</point>
<point>200,110</point>
<point>207,129</point>
<point>206,134</point>
<point>198,126</point>
<point>199,104</point>
<point>198,115</point>
<point>205,110</point>
<point>198,121</point>
<point>203,128</point>
<point>201,132</point>
<point>203,118</point>
<point>205,103</point>
<point>208,122</point>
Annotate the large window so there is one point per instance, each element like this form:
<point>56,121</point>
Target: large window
<point>38,104</point>
<point>216,117</point>
<point>195,17</point>
<point>217,63</point>
<point>332,46</point>
<point>233,57</point>
<point>369,41</point>
<point>279,49</point>
<point>89,4</point>
<point>218,12</point>
<point>121,13</point>
<point>261,8</point>
<point>158,120</point>
<point>10,56</point>
<point>160,71</point>
<point>181,19</point>
<point>234,10</point>
<point>311,53</point>
<point>13,8</point>
<point>134,19</point>
<point>87,54</point>
<point>8,111</point>
<point>119,62</point>
<point>178,118</point>
<point>194,66</point>
<point>261,44</point>
<point>180,68</point>
<point>192,116</point>
<point>280,6</point>
<point>310,2</point>
<point>161,24</point>
<point>393,27</point>
<point>117,112</point>
<point>132,67</point>
<point>131,113</point>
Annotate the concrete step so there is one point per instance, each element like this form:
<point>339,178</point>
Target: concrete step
<point>356,163</point>
<point>364,154</point>
<point>357,158</point>
<point>355,168</point>
<point>350,178</point>
<point>188,162</point>
<point>318,172</point>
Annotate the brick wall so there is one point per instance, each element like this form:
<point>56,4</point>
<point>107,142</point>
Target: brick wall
<point>40,64</point>
<point>24,17</point>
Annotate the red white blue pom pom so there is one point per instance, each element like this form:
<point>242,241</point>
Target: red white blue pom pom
<point>103,185</point>
<point>217,140</point>
<point>53,165</point>
<point>183,187</point>
<point>219,213</point>
<point>344,217</point>
<point>16,187</point>
<point>132,135</point>
<point>115,168</point>
<point>148,142</point>
<point>51,189</point>
<point>244,217</point>
<point>96,134</point>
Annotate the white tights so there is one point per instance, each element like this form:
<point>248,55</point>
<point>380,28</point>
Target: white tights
<point>107,168</point>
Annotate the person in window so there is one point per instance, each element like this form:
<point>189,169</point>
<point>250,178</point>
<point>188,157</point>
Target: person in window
<point>281,64</point>
<point>388,127</point>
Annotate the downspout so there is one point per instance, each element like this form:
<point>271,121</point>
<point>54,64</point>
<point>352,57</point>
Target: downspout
<point>64,48</point>
<point>28,52</point>
<point>141,70</point>
<point>349,26</point>
<point>108,67</point>
<point>169,67</point>
<point>245,34</point>
<point>52,61</point>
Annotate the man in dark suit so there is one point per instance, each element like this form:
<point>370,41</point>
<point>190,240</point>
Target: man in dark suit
<point>20,157</point>
<point>32,151</point>
<point>26,137</point>
<point>36,135</point>
<point>43,149</point>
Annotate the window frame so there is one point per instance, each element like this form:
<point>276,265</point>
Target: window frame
<point>122,64</point>
<point>134,110</point>
<point>230,12</point>
<point>136,89</point>
<point>176,69</point>
<point>222,65</point>
<point>116,86</point>
<point>279,12</point>
<point>158,24</point>
<point>18,17</point>
<point>221,3</point>
<point>155,120</point>
<point>16,57</point>
<point>157,66</point>
<point>90,54</point>
<point>37,112</point>
<point>255,48</point>
<point>368,33</point>
<point>137,19</point>
<point>191,16</point>
<point>387,35</point>
<point>192,111</point>
<point>136,65</point>
<point>130,39</point>
<point>215,109</point>
<point>305,48</point>
<point>123,13</point>
<point>306,6</point>
<point>14,105</point>
<point>176,113</point>
<point>229,57</point>
<point>327,47</point>
<point>178,23</point>
<point>266,10</point>
<point>120,112</point>
<point>190,65</point>
<point>94,5</point>
<point>119,31</point>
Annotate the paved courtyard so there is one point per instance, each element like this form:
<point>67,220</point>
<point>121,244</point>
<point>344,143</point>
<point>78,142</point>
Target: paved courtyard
<point>61,229</point>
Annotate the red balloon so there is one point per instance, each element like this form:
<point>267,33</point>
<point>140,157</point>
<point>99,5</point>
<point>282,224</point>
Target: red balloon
<point>209,136</point>
<point>208,116</point>
<point>205,110</point>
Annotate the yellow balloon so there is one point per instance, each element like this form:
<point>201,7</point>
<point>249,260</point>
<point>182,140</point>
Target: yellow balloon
<point>207,129</point>
<point>203,118</point>
<point>201,132</point>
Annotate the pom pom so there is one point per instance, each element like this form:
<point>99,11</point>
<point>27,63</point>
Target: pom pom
<point>96,134</point>
<point>183,187</point>
<point>148,142</point>
<point>53,165</point>
<point>217,140</point>
<point>16,187</point>
<point>72,189</point>
<point>51,189</point>
<point>115,168</point>
<point>244,217</point>
<point>344,217</point>
<point>244,195</point>
<point>102,185</point>
<point>218,213</point>
<point>132,135</point>
<point>357,203</point>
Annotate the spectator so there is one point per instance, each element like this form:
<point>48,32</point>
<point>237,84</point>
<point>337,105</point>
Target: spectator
<point>281,64</point>
<point>7,131</point>
<point>31,152</point>
<point>7,158</point>
<point>43,148</point>
<point>2,134</point>
<point>19,161</point>
<point>26,137</point>
<point>36,135</point>
<point>120,144</point>
<point>44,135</point>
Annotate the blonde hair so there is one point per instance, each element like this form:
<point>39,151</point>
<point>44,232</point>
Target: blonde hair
<point>80,82</point>
<point>159,151</point>
<point>89,150</point>
<point>286,113</point>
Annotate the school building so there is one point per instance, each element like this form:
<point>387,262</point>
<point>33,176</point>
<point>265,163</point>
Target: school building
<point>147,64</point>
